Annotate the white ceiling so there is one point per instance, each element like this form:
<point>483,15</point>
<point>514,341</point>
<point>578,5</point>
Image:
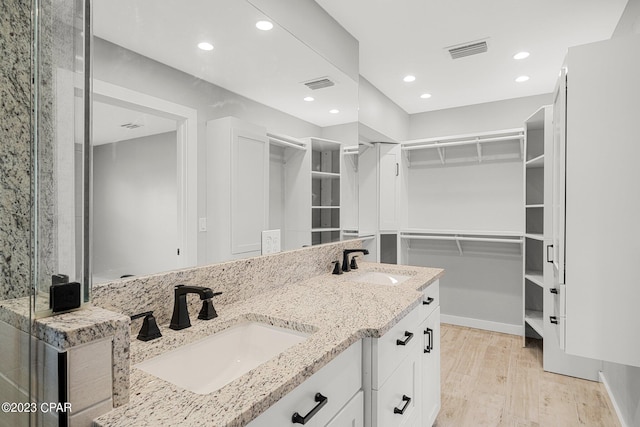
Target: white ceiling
<point>266,66</point>
<point>109,120</point>
<point>409,36</point>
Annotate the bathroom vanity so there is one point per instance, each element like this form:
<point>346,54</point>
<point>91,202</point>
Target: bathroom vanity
<point>369,356</point>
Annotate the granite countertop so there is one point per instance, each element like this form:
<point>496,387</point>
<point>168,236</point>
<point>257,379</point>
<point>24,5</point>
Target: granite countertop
<point>336,311</point>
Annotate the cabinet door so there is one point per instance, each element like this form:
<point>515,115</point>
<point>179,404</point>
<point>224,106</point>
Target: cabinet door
<point>431,368</point>
<point>352,415</point>
<point>558,176</point>
<point>388,184</point>
<point>249,190</point>
<point>397,402</point>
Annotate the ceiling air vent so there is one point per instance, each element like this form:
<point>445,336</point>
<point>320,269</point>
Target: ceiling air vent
<point>467,49</point>
<point>319,83</point>
<point>130,126</point>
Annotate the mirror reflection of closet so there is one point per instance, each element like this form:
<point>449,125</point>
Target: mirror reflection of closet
<point>148,49</point>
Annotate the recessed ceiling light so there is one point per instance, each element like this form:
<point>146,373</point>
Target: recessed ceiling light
<point>521,55</point>
<point>205,46</point>
<point>522,79</point>
<point>264,25</point>
<point>409,78</point>
<point>425,96</point>
<point>308,98</point>
<point>334,111</point>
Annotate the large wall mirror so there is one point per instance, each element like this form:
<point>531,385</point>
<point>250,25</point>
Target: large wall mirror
<point>198,148</point>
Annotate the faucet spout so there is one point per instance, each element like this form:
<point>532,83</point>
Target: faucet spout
<point>345,257</point>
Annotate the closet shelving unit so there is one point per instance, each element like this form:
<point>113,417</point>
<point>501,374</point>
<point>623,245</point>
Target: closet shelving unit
<point>535,227</point>
<point>289,182</point>
<point>461,210</point>
<point>325,190</point>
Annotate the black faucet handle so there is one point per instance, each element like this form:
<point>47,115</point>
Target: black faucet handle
<point>337,269</point>
<point>149,329</point>
<point>354,264</point>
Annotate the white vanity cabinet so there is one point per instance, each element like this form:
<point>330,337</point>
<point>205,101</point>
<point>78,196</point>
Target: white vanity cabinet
<point>402,368</point>
<point>237,188</point>
<point>338,384</point>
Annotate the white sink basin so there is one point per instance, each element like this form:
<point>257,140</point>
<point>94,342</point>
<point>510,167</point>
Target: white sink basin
<point>209,364</point>
<point>379,278</point>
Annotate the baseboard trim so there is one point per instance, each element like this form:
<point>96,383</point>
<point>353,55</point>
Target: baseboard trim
<point>616,408</point>
<point>487,325</point>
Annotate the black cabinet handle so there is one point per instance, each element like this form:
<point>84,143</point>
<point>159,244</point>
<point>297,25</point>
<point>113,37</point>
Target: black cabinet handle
<point>299,419</point>
<point>397,169</point>
<point>407,400</point>
<point>549,258</point>
<point>408,336</point>
<point>428,301</point>
<point>429,346</point>
<point>553,319</point>
<point>553,290</point>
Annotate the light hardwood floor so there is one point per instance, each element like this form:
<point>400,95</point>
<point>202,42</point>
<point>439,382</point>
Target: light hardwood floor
<point>489,379</point>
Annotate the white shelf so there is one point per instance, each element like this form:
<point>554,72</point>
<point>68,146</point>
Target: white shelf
<point>536,162</point>
<point>325,207</point>
<point>535,277</point>
<point>459,237</point>
<point>534,236</point>
<point>477,139</point>
<point>318,230</point>
<point>534,206</point>
<point>462,232</point>
<point>534,319</point>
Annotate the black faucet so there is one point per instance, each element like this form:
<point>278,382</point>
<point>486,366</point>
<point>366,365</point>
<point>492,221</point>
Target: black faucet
<point>180,318</point>
<point>149,330</point>
<point>345,257</point>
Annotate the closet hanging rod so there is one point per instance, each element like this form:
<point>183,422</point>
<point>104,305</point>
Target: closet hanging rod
<point>350,150</point>
<point>286,141</point>
<point>436,144</point>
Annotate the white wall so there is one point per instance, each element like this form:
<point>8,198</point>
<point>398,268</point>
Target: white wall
<point>380,113</point>
<point>629,23</point>
<point>135,206</point>
<point>507,114</point>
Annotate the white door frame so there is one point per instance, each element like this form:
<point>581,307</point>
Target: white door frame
<point>187,153</point>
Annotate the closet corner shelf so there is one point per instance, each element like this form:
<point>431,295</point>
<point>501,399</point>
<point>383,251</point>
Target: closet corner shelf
<point>535,277</point>
<point>536,162</point>
<point>534,319</point>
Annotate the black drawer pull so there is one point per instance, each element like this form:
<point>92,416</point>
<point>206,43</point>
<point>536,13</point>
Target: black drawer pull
<point>299,419</point>
<point>429,346</point>
<point>428,301</point>
<point>554,290</point>
<point>549,257</point>
<point>407,401</point>
<point>407,334</point>
<point>553,319</point>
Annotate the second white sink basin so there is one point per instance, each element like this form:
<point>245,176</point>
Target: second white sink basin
<point>209,364</point>
<point>380,278</point>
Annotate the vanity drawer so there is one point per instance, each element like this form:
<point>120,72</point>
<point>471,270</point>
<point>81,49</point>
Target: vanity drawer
<point>430,300</point>
<point>393,347</point>
<point>391,404</point>
<point>338,381</point>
